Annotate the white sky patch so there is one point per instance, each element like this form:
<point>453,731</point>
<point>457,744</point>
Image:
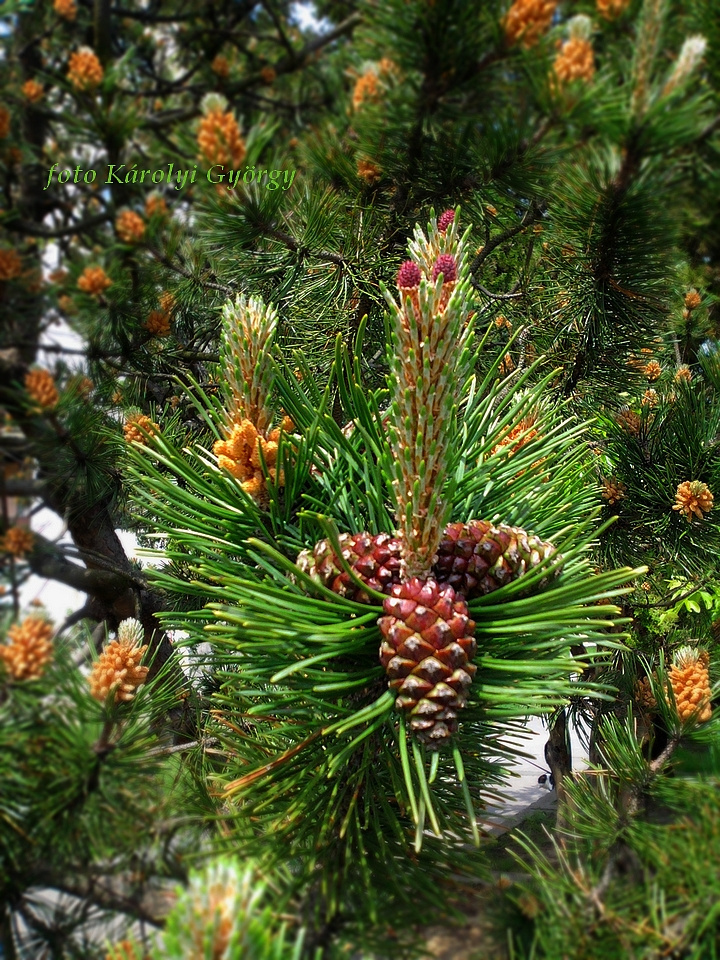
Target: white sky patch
<point>305,15</point>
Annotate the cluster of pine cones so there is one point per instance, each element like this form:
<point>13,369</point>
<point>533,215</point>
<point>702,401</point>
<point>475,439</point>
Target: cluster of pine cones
<point>427,632</point>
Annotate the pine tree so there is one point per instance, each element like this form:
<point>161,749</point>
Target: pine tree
<point>401,435</point>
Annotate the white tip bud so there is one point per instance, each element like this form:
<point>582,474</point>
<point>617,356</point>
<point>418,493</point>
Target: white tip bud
<point>131,631</point>
<point>580,27</point>
<point>212,102</point>
<point>691,53</point>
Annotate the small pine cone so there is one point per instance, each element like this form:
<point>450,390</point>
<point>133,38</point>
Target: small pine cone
<point>447,266</point>
<point>693,498</point>
<point>30,649</point>
<point>93,281</point>
<point>374,559</point>
<point>427,646</point>
<point>130,226</point>
<point>692,300</point>
<point>575,61</point>
<point>613,491</point>
<point>445,219</point>
<point>478,557</point>
<point>610,9</point>
<point>134,426</point>
<point>368,171</point>
<point>268,75</point>
<point>644,696</point>
<point>65,9</point>
<point>156,206</point>
<point>85,71</point>
<point>158,323</point>
<point>652,370</point>
<point>630,421</point>
<point>67,305</point>
<point>527,20</point>
<point>367,88</point>
<point>167,302</point>
<point>4,122</point>
<point>690,684</point>
<point>41,387</point>
<point>10,265</point>
<point>17,541</point>
<point>220,66</point>
<point>650,398</point>
<point>683,373</point>
<point>118,669</point>
<point>33,91</point>
<point>220,140</point>
<point>386,65</point>
<point>506,366</point>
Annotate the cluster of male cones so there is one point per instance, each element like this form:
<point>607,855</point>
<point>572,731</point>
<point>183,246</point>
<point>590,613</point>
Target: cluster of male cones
<point>429,569</point>
<point>249,450</point>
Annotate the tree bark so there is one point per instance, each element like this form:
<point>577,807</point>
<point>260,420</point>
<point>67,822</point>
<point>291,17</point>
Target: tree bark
<point>558,753</point>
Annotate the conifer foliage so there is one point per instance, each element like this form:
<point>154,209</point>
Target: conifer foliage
<point>325,766</point>
<point>392,336</point>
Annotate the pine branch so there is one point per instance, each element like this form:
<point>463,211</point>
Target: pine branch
<point>534,212</point>
<point>28,228</point>
<point>78,883</point>
<point>48,561</point>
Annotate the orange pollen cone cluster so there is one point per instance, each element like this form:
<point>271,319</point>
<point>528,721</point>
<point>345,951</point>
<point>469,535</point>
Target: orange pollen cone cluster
<point>65,9</point>
<point>219,139</point>
<point>85,71</point>
<point>613,490</point>
<point>130,226</point>
<point>610,9</point>
<point>33,91</point>
<point>118,668</point>
<point>134,426</point>
<point>576,61</point>
<point>10,263</point>
<point>242,455</point>
<point>690,684</point>
<point>29,650</point>
<point>41,387</point>
<point>693,498</point>
<point>527,20</point>
<point>158,323</point>
<point>367,88</point>
<point>93,281</point>
<point>17,541</point>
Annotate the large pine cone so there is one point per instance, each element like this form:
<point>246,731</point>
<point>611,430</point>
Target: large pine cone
<point>428,643</point>
<point>374,559</point>
<point>478,557</point>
